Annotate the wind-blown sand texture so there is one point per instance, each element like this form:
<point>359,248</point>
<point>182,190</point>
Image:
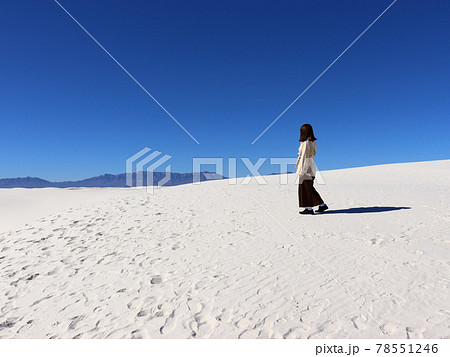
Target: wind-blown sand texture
<point>231,261</point>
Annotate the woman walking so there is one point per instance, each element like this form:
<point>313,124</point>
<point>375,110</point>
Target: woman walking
<point>308,197</point>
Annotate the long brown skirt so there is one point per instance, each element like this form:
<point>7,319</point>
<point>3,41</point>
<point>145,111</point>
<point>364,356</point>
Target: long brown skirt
<point>307,194</point>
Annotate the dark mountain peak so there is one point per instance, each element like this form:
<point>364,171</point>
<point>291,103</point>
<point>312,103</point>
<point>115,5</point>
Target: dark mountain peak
<point>107,180</point>
<point>26,182</point>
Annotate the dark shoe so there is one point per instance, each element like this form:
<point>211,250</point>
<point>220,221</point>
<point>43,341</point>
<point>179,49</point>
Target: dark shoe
<point>322,208</point>
<point>307,211</point>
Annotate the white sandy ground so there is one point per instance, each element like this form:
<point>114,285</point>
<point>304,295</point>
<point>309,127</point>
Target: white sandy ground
<point>227,261</point>
<point>20,206</point>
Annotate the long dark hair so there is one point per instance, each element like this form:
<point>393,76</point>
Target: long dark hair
<point>306,132</point>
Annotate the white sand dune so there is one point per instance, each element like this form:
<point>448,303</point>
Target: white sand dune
<point>20,206</point>
<point>227,261</point>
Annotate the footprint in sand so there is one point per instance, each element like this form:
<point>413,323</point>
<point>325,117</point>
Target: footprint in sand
<point>182,289</point>
<point>415,332</point>
<point>360,322</point>
<point>169,325</point>
<point>390,328</point>
<point>225,316</point>
<point>139,334</point>
<point>156,280</point>
<point>249,334</point>
<point>270,320</point>
<point>194,306</point>
<point>265,264</point>
<point>8,323</point>
<point>295,333</point>
<point>243,323</point>
<point>75,321</point>
<point>376,241</point>
<point>135,303</point>
<point>313,311</point>
<point>264,334</point>
<point>206,323</point>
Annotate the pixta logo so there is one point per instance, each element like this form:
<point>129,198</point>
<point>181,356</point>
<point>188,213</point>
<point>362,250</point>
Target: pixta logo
<point>140,169</point>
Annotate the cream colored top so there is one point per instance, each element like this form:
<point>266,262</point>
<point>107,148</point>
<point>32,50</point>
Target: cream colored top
<point>306,168</point>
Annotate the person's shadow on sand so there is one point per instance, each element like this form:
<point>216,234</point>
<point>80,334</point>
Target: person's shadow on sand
<point>365,209</point>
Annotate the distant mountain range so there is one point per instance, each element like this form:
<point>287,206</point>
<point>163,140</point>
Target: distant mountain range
<point>107,180</point>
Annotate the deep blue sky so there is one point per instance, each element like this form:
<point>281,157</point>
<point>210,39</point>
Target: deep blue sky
<point>225,70</point>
